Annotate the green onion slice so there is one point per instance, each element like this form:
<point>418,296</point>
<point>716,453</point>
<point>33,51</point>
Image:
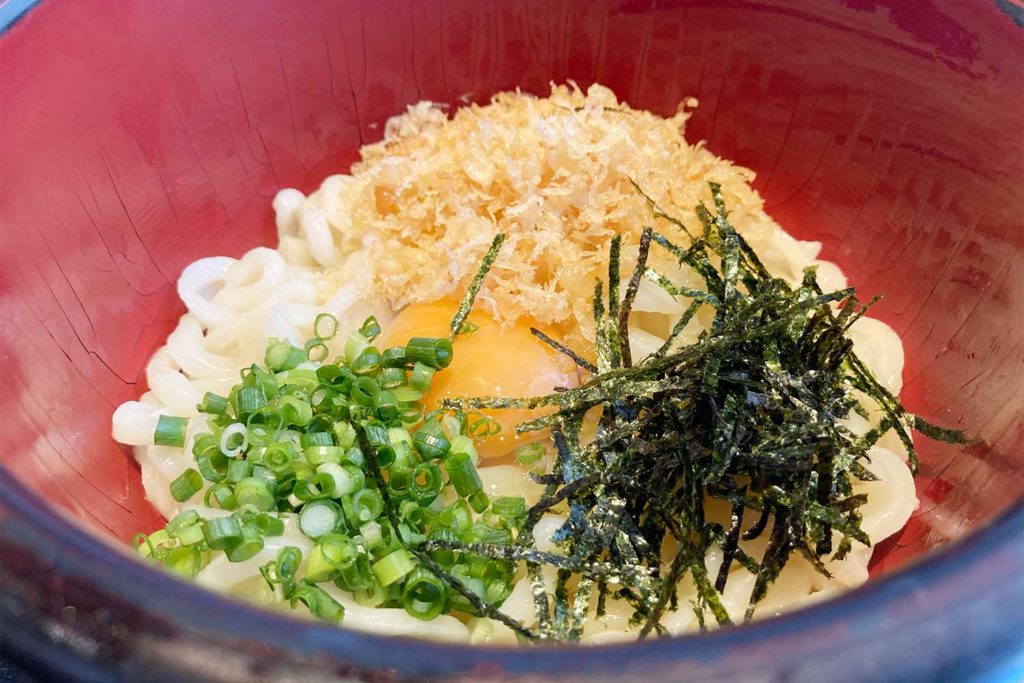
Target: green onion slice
<point>393,566</point>
<point>319,518</point>
<point>222,532</point>
<point>433,352</point>
<point>170,431</point>
<point>213,404</point>
<point>424,595</point>
<point>186,485</point>
<point>325,326</point>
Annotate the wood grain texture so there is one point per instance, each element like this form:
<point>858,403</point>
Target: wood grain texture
<point>137,136</point>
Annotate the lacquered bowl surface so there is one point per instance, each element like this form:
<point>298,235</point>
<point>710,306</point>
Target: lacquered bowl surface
<point>137,136</point>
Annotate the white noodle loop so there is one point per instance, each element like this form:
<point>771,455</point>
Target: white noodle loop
<point>186,347</point>
<point>318,235</point>
<point>170,386</point>
<point>135,422</point>
<point>197,285</point>
<point>287,212</point>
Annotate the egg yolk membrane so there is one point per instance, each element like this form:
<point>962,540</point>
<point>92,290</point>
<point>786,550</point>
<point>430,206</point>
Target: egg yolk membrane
<point>493,360</point>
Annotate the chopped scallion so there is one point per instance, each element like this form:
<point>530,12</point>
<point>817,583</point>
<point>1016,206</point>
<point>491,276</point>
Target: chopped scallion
<point>316,350</point>
<point>186,485</point>
<point>393,567</point>
<point>222,532</point>
<point>462,474</point>
<point>363,506</point>
<point>213,404</point>
<point>170,431</point>
<point>250,399</point>
<point>251,543</point>
<point>528,454</point>
<point>347,479</point>
<point>319,518</point>
<point>319,602</point>
<point>223,495</point>
<point>325,326</point>
<point>423,594</point>
<point>370,328</point>
<point>430,441</point>
<point>355,343</point>
<point>394,358</point>
<point>430,351</point>
<point>255,491</point>
<point>282,356</point>
<point>421,377</point>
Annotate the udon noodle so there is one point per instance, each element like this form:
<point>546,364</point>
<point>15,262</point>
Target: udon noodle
<point>328,261</point>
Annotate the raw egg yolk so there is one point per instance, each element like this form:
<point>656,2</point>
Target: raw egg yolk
<point>490,361</point>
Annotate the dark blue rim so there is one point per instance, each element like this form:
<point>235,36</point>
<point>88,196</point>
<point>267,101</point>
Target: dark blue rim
<point>185,603</point>
<point>13,10</point>
<point>149,587</point>
<point>1012,9</point>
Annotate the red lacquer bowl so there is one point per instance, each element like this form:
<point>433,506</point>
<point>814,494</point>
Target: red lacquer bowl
<point>137,136</point>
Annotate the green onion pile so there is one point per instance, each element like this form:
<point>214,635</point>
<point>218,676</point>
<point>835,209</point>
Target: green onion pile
<point>345,448</point>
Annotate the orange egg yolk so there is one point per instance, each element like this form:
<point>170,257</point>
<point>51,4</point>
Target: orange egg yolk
<point>490,361</point>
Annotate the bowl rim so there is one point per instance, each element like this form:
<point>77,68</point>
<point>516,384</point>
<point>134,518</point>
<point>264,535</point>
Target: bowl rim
<point>14,10</point>
<point>188,606</point>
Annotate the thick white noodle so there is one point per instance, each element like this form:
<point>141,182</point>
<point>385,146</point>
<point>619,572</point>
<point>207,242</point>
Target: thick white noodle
<point>236,305</point>
<point>197,286</point>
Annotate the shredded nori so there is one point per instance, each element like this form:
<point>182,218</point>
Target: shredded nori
<point>749,414</point>
<point>457,325</point>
